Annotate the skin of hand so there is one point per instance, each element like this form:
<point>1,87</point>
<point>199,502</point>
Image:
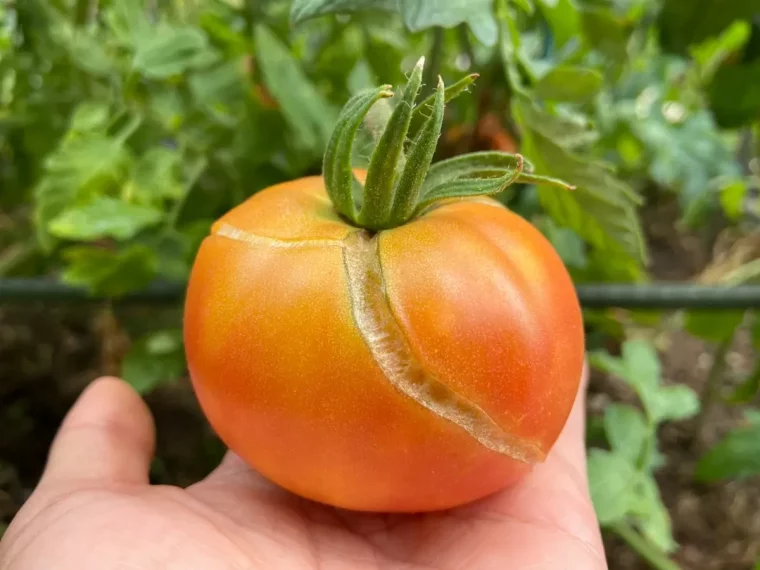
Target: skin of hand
<point>94,509</point>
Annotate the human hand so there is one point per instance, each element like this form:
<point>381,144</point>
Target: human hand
<point>94,509</point>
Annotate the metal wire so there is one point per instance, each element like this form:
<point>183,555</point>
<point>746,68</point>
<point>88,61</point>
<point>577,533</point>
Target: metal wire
<point>592,296</point>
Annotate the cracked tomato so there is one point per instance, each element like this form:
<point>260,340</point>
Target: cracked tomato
<point>412,358</point>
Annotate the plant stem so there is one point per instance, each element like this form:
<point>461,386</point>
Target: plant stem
<point>712,385</point>
<point>656,558</point>
<point>433,69</point>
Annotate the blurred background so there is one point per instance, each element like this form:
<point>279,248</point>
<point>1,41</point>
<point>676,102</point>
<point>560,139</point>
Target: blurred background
<point>128,126</point>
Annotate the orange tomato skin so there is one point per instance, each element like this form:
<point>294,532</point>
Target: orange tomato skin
<point>382,377</point>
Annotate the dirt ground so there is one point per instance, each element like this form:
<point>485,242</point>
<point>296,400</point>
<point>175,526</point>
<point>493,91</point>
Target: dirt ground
<point>47,355</point>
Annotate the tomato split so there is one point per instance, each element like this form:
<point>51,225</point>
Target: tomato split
<point>410,347</point>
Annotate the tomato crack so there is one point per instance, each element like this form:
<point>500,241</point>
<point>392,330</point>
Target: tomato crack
<point>393,354</point>
<point>233,233</point>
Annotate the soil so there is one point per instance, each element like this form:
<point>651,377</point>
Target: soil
<point>47,355</point>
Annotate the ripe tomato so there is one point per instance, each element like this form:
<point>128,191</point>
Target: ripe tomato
<point>412,369</point>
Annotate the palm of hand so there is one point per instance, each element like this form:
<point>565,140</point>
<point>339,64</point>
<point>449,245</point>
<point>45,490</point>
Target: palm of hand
<point>94,510</point>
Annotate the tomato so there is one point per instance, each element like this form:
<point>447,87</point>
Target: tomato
<point>420,368</point>
<point>409,369</point>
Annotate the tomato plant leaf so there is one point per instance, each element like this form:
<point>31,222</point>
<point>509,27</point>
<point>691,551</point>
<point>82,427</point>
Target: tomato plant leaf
<point>672,403</point>
<point>302,10</point>
<point>104,217</point>
<point>308,114</point>
<point>715,326</point>
<point>477,14</point>
<point>564,19</point>
<point>154,359</point>
<point>172,51</point>
<point>611,482</point>
<point>569,245</point>
<point>713,51</point>
<point>747,390</point>
<point>570,84</point>
<point>737,456</point>
<point>626,430</point>
<point>607,363</point>
<point>155,176</point>
<point>602,209</point>
<point>108,272</point>
<point>651,515</point>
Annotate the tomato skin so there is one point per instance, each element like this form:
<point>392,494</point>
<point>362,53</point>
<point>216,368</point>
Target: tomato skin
<point>286,369</point>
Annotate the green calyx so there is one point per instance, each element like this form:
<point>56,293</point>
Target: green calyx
<point>401,180</point>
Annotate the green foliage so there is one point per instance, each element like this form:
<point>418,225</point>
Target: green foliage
<point>621,479</point>
<point>154,359</point>
<point>737,456</point>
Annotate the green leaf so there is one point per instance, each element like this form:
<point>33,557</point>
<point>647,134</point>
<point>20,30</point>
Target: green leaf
<point>477,14</point>
<point>651,515</point>
<point>672,403</point>
<point>564,20</point>
<point>684,23</point>
<point>713,326</point>
<point>108,272</point>
<point>712,52</point>
<point>219,87</point>
<point>605,32</point>
<point>156,177</point>
<point>747,390</point>
<point>626,431</point>
<point>737,456</point>
<point>104,217</point>
<point>80,169</point>
<point>735,94</point>
<point>172,51</point>
<point>732,196</point>
<point>89,54</point>
<point>90,116</point>
<point>568,243</point>
<point>302,10</point>
<point>570,84</point>
<point>525,5</point>
<point>611,482</point>
<point>607,363</point>
<point>602,209</point>
<point>642,363</point>
<point>307,113</point>
<point>154,360</point>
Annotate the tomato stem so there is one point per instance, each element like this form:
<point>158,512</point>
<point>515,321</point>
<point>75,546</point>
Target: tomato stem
<point>401,179</point>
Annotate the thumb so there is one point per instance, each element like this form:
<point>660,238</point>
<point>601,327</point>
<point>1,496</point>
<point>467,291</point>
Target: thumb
<point>108,436</point>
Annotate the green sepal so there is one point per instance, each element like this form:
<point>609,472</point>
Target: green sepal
<point>381,173</point>
<point>486,164</point>
<point>418,162</point>
<point>336,167</point>
<point>485,183</point>
<point>528,178</point>
<point>422,110</point>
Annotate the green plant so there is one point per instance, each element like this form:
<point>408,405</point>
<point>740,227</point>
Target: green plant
<point>621,478</point>
<point>127,126</point>
<point>737,456</point>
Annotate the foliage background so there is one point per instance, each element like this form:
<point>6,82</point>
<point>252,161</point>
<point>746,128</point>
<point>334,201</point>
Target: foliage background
<point>128,126</point>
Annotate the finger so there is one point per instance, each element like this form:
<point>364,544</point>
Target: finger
<point>107,437</point>
<point>571,441</point>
